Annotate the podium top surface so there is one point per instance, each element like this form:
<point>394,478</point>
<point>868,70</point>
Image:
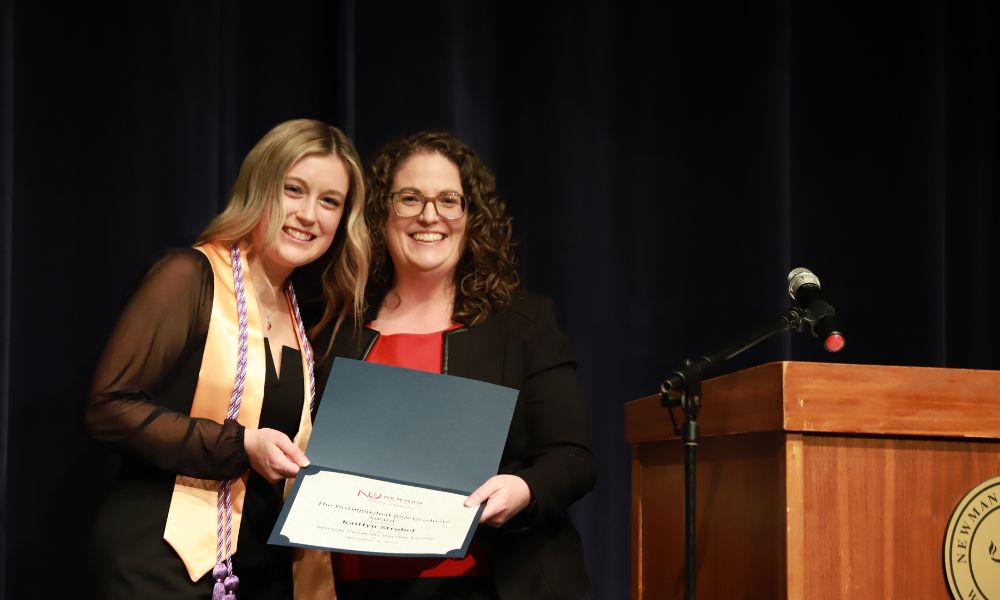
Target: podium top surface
<point>835,398</point>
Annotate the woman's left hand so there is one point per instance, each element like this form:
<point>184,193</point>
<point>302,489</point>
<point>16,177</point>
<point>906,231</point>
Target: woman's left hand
<point>505,496</point>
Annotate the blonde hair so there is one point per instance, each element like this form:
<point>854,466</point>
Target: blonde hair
<point>257,194</point>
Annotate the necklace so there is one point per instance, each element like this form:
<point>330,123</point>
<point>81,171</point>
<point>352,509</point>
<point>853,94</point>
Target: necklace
<point>268,310</point>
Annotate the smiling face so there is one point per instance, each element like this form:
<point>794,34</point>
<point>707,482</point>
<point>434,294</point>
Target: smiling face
<point>426,245</point>
<point>314,193</point>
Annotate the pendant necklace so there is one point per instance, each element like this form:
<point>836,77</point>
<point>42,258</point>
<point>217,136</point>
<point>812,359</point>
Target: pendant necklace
<point>268,311</point>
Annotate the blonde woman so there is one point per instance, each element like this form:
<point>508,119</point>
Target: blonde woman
<point>206,386</point>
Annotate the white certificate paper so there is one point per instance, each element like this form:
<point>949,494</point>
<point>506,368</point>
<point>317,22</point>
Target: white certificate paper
<point>345,512</point>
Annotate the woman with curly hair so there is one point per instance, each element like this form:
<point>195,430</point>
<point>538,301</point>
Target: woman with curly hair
<point>444,297</point>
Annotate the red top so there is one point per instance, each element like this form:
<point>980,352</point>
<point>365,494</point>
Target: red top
<point>422,352</point>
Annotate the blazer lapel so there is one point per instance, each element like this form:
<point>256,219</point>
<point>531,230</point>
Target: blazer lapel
<point>355,346</point>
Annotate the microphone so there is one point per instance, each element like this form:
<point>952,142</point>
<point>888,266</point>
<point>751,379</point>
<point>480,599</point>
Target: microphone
<point>804,288</point>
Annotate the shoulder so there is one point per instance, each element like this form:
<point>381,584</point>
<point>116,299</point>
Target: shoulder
<point>526,307</point>
<point>179,274</point>
<point>176,293</point>
<point>530,321</point>
<point>181,264</point>
<point>528,315</point>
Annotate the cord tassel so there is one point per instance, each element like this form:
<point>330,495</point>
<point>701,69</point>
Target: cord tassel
<point>219,573</point>
<point>232,582</point>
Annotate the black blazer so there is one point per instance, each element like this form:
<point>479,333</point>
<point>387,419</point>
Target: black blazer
<point>537,554</point>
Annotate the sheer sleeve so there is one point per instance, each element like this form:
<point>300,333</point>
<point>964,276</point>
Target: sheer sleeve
<point>165,321</point>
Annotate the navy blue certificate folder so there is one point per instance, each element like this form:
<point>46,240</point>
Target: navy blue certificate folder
<point>398,425</point>
<point>428,429</point>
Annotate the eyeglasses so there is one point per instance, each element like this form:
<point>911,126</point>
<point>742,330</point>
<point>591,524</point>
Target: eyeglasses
<point>449,205</point>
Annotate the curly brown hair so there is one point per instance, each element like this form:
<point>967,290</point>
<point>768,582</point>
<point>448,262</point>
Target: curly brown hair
<point>486,275</point>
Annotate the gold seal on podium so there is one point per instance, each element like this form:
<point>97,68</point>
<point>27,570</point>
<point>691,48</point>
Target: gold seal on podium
<point>972,544</point>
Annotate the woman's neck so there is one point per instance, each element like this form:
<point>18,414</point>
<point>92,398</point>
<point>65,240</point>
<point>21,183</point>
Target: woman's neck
<point>416,305</point>
<point>269,287</point>
<point>267,275</point>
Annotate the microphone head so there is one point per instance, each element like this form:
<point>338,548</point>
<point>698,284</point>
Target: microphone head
<point>799,277</point>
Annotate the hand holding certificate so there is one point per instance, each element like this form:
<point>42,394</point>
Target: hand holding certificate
<point>395,454</point>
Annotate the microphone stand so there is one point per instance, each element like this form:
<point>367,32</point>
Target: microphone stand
<point>683,388</point>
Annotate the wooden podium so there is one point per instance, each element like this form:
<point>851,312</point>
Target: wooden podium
<point>814,481</point>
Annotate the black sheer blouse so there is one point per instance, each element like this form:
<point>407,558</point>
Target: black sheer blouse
<point>139,403</point>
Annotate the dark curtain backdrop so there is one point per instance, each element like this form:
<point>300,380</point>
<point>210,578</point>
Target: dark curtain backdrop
<point>666,163</point>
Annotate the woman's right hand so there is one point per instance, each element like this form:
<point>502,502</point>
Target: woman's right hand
<point>272,454</point>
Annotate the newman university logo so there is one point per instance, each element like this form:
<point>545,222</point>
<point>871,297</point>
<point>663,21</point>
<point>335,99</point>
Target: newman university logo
<point>972,544</point>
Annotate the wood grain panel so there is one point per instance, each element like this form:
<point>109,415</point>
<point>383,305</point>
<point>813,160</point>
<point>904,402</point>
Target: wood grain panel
<point>876,512</point>
<point>795,518</point>
<point>743,402</point>
<point>892,400</point>
<point>835,398</point>
<point>636,555</point>
<point>740,519</point>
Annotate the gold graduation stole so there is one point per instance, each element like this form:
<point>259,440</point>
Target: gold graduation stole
<point>194,522</point>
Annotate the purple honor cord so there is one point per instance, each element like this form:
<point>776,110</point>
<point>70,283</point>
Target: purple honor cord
<point>226,581</point>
